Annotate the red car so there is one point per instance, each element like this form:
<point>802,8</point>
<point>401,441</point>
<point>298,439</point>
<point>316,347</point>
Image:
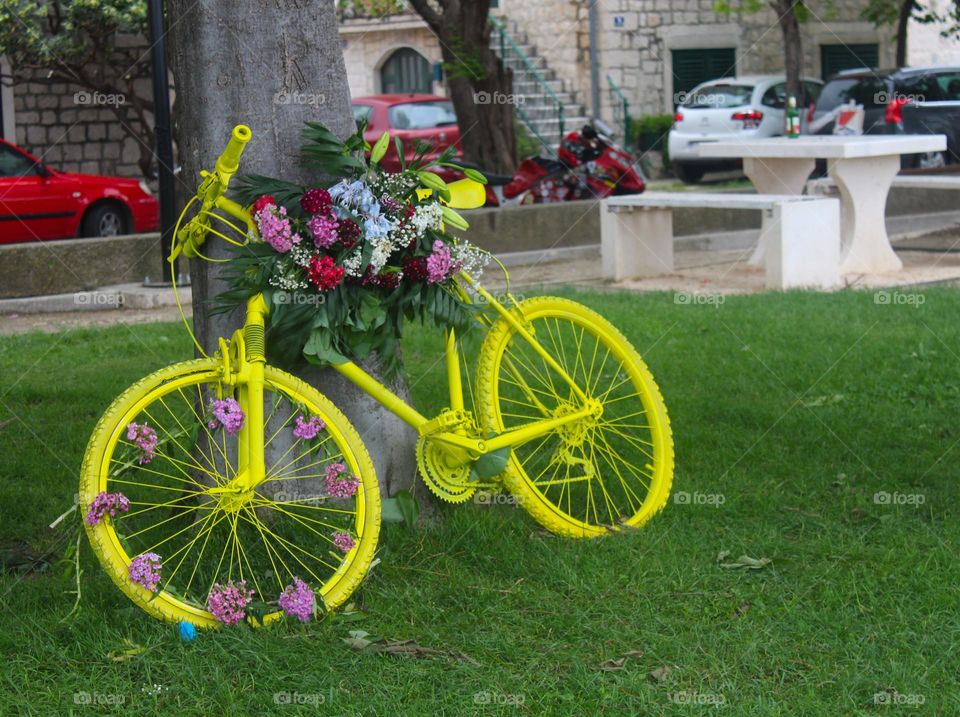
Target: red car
<point>38,203</point>
<point>410,117</point>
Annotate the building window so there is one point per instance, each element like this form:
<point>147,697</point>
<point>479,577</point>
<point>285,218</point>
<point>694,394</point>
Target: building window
<point>691,67</point>
<point>834,58</point>
<point>405,71</point>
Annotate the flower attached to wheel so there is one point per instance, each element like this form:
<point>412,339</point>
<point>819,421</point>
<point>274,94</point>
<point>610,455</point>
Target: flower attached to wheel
<point>339,483</point>
<point>306,429</point>
<point>145,439</point>
<point>298,600</point>
<point>106,504</point>
<point>144,570</point>
<point>228,603</point>
<point>227,414</point>
<point>343,540</point>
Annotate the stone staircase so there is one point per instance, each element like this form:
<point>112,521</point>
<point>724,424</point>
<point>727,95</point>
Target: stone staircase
<point>548,110</point>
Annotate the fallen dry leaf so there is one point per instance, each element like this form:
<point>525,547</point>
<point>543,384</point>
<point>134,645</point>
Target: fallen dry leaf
<point>361,640</point>
<point>741,609</point>
<point>745,562</point>
<point>620,662</point>
<point>613,665</point>
<point>660,674</point>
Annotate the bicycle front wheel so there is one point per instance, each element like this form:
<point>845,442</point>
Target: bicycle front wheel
<point>169,522</point>
<point>594,475</point>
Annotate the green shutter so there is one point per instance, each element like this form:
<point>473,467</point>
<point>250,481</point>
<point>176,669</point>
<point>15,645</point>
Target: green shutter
<point>834,58</point>
<point>691,67</point>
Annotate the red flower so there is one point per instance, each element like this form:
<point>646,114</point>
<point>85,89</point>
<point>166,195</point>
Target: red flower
<point>261,203</point>
<point>315,201</point>
<point>388,280</point>
<point>415,268</point>
<point>349,233</point>
<point>324,273</point>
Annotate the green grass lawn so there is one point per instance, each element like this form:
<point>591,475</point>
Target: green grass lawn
<point>817,431</point>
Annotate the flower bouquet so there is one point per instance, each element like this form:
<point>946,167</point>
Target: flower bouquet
<point>343,263</point>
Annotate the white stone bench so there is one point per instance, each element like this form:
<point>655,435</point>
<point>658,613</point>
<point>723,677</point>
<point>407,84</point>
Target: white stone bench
<point>801,235</point>
<point>825,185</point>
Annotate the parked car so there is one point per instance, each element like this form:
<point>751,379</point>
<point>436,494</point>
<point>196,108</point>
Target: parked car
<point>411,117</point>
<point>909,100</point>
<point>39,203</point>
<point>747,107</point>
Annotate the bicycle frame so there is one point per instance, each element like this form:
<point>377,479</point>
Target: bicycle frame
<point>244,354</point>
<point>473,447</point>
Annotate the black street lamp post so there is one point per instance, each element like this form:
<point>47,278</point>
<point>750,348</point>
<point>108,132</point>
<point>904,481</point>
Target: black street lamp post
<point>162,133</point>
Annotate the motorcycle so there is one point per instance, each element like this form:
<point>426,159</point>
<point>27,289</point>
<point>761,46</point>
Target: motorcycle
<point>588,165</point>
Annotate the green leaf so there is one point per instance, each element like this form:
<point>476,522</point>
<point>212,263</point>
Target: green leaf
<point>492,464</point>
<point>390,511</point>
<point>408,507</point>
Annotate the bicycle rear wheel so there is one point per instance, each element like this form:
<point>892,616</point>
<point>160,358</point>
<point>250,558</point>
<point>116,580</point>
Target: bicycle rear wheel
<point>156,491</point>
<point>611,469</point>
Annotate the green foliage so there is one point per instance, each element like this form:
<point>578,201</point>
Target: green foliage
<point>527,144</point>
<point>369,8</point>
<point>52,33</point>
<point>887,12</point>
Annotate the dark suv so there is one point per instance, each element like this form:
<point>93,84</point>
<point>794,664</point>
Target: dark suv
<point>910,100</point>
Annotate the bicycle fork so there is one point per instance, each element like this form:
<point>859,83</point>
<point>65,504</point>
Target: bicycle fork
<point>251,463</point>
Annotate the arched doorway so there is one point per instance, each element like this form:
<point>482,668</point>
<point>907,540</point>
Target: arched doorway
<point>406,70</point>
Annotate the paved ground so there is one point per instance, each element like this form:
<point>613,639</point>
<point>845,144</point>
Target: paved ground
<point>928,257</point>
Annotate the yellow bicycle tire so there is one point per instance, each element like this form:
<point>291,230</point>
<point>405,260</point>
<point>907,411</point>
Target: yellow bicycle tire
<point>491,373</point>
<point>107,545</point>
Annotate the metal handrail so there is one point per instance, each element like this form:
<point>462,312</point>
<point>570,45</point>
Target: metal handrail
<point>624,109</point>
<point>505,42</point>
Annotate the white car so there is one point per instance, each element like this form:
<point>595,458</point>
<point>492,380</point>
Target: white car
<point>730,108</point>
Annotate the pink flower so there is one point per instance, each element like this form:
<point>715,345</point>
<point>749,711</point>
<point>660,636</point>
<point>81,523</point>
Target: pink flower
<point>308,430</point>
<point>338,484</point>
<point>324,229</point>
<point>439,264</point>
<point>228,602</point>
<point>226,413</point>
<point>298,600</point>
<point>275,228</point>
<point>146,438</point>
<point>344,541</point>
<point>106,504</point>
<point>144,570</point>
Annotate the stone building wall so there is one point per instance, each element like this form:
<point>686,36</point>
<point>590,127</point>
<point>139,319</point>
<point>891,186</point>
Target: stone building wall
<point>925,44</point>
<point>72,130</point>
<point>368,43</point>
<point>636,38</point>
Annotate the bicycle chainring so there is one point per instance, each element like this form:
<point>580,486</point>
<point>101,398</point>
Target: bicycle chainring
<point>445,479</point>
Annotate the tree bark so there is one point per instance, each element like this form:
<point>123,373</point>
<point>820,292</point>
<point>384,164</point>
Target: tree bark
<point>903,24</point>
<point>792,48</point>
<point>480,87</point>
<point>270,64</point>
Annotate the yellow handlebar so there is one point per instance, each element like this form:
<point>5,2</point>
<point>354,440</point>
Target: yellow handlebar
<point>230,159</point>
<point>210,193</point>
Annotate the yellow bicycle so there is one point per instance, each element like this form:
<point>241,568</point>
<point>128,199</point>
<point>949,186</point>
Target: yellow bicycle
<point>227,474</point>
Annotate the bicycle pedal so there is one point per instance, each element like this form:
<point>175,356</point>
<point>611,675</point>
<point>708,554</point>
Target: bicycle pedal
<point>444,422</point>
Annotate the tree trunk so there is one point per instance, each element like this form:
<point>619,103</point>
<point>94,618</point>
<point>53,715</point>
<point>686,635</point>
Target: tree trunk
<point>480,87</point>
<point>903,24</point>
<point>271,65</point>
<point>792,48</point>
